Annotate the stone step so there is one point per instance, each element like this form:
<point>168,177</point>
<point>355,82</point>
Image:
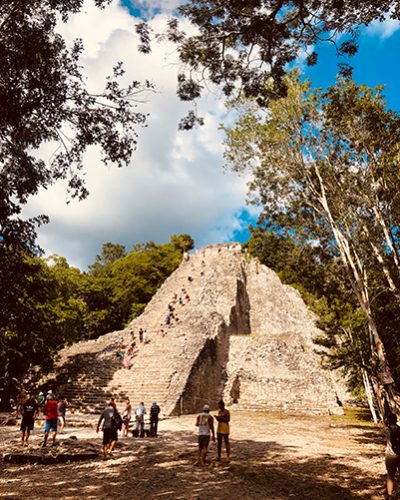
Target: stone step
<point>162,368</point>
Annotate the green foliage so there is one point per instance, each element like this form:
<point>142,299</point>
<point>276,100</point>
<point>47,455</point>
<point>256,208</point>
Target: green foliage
<point>43,94</point>
<point>52,304</point>
<point>183,242</point>
<point>137,276</point>
<point>242,46</point>
<point>110,252</point>
<point>325,170</point>
<point>39,313</point>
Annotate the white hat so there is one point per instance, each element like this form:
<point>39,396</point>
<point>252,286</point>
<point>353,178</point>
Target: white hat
<point>206,408</point>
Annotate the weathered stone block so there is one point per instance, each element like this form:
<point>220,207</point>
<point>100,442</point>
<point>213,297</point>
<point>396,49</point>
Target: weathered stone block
<point>243,335</point>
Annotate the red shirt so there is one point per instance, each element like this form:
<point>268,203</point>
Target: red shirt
<point>50,409</point>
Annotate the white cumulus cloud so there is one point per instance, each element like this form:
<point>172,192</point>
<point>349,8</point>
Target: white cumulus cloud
<point>384,29</point>
<point>175,182</point>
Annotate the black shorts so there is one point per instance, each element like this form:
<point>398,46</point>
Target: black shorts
<point>27,423</point>
<point>222,436</point>
<point>203,442</point>
<point>110,435</point>
<point>392,463</point>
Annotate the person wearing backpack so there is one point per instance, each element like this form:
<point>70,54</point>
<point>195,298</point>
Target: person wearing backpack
<point>392,452</point>
<point>111,422</point>
<point>205,425</point>
<point>154,416</point>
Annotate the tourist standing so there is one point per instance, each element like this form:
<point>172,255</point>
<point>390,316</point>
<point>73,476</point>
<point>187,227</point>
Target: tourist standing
<point>139,415</point>
<point>154,416</point>
<point>223,419</point>
<point>126,417</point>
<point>109,427</point>
<point>392,451</point>
<point>205,424</point>
<point>51,411</point>
<point>61,410</point>
<point>30,410</point>
<point>40,400</point>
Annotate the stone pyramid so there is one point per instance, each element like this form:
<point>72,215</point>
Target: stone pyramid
<point>240,334</point>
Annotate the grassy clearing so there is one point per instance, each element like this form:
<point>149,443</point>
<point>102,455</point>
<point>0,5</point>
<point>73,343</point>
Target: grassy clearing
<point>354,416</point>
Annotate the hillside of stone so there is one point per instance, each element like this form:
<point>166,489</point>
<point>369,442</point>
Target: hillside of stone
<point>237,332</point>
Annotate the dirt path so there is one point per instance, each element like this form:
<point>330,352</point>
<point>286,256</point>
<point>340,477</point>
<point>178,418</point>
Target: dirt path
<point>273,457</point>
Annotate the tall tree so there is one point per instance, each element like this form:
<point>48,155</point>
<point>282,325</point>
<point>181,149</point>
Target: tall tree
<point>321,279</point>
<point>44,98</point>
<point>183,242</point>
<point>110,252</point>
<point>240,46</point>
<point>40,314</point>
<point>324,167</point>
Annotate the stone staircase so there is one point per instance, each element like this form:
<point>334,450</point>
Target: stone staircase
<point>88,372</point>
<point>243,335</point>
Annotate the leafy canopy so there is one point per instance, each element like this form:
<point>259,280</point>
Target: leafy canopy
<point>242,46</point>
<point>45,99</point>
<point>324,168</point>
<point>52,304</point>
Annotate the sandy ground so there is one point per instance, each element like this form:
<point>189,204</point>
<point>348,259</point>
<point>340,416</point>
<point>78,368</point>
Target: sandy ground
<point>273,457</point>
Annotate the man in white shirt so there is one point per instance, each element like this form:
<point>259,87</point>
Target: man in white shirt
<point>205,424</point>
<point>139,415</point>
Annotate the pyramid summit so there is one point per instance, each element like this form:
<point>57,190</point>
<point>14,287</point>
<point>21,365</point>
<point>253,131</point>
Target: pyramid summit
<point>235,332</point>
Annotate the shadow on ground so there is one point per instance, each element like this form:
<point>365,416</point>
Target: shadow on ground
<point>164,468</point>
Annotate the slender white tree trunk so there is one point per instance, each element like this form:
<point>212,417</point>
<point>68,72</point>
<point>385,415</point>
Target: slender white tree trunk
<point>369,393</point>
<point>387,393</point>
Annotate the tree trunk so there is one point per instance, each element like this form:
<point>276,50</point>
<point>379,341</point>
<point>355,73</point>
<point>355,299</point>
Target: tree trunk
<point>388,398</point>
<point>369,393</point>
<point>5,395</point>
<point>379,398</point>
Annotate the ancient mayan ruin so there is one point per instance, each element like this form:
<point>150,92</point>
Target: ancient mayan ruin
<point>243,336</point>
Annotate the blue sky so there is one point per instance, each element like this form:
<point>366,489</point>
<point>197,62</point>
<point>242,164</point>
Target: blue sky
<point>376,63</point>
<point>175,182</point>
